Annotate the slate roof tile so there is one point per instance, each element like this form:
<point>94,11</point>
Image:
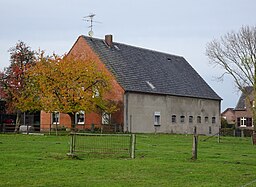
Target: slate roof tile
<point>241,102</point>
<point>134,66</point>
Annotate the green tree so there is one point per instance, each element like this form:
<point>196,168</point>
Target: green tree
<point>235,53</point>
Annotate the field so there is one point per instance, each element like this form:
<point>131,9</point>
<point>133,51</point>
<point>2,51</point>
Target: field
<point>161,160</point>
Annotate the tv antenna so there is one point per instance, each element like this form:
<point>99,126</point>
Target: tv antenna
<point>89,19</point>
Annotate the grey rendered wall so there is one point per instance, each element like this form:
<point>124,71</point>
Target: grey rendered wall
<point>139,110</point>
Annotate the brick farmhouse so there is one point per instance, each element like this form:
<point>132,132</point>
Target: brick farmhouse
<point>155,91</point>
<point>241,116</point>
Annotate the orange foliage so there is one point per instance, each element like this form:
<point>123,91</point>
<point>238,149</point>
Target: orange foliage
<point>67,85</point>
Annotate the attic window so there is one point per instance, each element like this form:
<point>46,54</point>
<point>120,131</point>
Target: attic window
<point>150,85</point>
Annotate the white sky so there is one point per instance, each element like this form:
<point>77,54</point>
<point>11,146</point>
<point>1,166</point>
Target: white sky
<point>181,27</point>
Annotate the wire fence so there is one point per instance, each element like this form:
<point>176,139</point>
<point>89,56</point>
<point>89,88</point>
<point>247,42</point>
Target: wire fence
<point>122,145</point>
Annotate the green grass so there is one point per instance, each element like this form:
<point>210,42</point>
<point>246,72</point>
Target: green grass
<point>161,160</point>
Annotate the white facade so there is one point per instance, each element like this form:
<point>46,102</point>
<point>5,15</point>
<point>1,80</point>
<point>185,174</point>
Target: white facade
<point>149,113</point>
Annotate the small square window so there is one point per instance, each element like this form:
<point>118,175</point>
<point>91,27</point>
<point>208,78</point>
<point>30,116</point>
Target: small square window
<point>198,119</point>
<point>210,130</point>
<point>213,120</point>
<point>182,119</point>
<point>157,120</point>
<point>206,119</point>
<point>190,119</point>
<point>173,118</point>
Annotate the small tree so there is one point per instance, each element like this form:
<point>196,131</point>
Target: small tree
<point>66,85</point>
<point>235,53</point>
<point>12,79</point>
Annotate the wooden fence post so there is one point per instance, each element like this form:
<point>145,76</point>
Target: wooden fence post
<point>72,145</point>
<point>132,143</point>
<point>219,136</point>
<point>254,138</point>
<point>194,147</point>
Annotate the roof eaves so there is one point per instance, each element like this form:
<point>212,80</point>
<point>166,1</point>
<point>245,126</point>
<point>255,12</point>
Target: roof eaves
<point>170,94</point>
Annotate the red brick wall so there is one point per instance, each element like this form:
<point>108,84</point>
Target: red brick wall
<point>46,121</point>
<point>83,51</point>
<point>229,116</point>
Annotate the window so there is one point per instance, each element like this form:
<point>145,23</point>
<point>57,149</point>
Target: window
<point>206,119</point>
<point>157,118</point>
<point>244,122</point>
<point>190,119</point>
<point>182,119</point>
<point>198,119</point>
<point>238,122</point>
<point>210,130</point>
<point>105,118</point>
<point>55,117</point>
<point>213,120</point>
<point>249,122</point>
<point>173,118</point>
<point>79,118</point>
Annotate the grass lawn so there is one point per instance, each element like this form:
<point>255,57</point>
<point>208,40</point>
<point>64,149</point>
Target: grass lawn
<point>161,160</point>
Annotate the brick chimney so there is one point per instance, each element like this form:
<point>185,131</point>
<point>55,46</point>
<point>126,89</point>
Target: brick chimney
<point>109,40</point>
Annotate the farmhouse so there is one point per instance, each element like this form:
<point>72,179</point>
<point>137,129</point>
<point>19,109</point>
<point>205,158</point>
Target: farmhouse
<point>155,91</point>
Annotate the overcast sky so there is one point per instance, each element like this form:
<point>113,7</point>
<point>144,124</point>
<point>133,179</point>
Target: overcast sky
<point>182,27</point>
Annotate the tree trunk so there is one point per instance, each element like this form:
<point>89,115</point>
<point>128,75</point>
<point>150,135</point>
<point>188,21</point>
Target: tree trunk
<point>254,108</point>
<point>18,119</point>
<point>72,119</point>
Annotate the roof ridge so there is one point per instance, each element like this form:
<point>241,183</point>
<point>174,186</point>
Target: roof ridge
<point>138,47</point>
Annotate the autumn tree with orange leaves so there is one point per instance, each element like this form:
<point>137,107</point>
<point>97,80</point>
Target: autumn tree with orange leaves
<point>12,78</point>
<point>67,85</point>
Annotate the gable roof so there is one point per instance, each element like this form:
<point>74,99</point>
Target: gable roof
<point>142,70</point>
<point>228,110</point>
<point>241,105</point>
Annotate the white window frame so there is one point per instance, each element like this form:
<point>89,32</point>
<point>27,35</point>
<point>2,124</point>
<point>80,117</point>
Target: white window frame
<point>54,117</point>
<point>157,118</point>
<point>105,118</point>
<point>243,121</point>
<point>76,118</point>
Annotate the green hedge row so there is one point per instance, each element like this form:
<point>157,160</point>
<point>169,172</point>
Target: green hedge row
<point>236,132</point>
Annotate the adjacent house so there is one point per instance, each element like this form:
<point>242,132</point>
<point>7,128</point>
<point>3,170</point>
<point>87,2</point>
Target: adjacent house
<point>229,115</point>
<point>242,110</point>
<point>155,91</point>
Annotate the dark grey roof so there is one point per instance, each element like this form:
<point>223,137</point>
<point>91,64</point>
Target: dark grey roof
<point>241,102</point>
<point>142,70</point>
